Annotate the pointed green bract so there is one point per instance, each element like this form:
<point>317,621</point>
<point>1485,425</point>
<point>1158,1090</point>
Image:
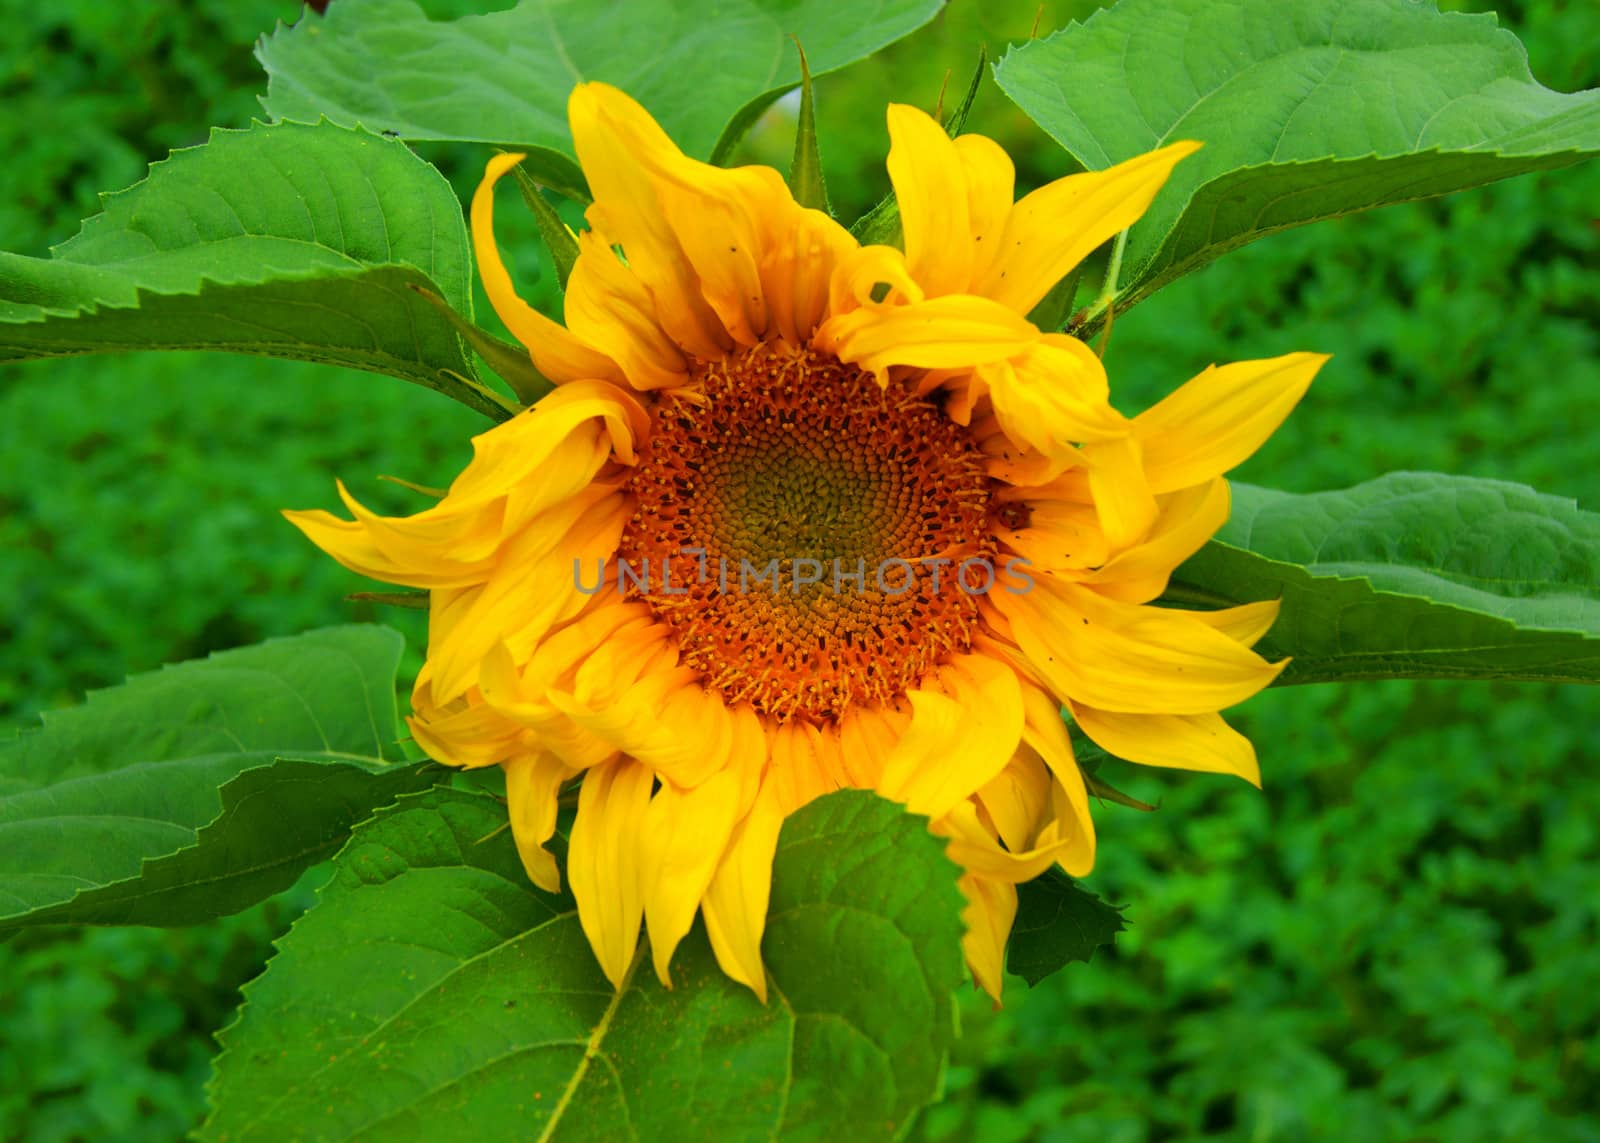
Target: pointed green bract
<point>805,170</point>
<point>432,984</point>
<point>1413,575</point>
<point>510,362</point>
<point>200,789</point>
<point>706,74</point>
<point>1307,109</point>
<point>285,241</point>
<point>561,243</point>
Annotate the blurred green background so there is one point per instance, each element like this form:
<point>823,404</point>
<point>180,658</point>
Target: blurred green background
<point>1397,940</point>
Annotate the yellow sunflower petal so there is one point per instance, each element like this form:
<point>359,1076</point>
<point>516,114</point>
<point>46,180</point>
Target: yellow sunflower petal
<point>609,308</point>
<point>532,587</point>
<point>1016,799</point>
<point>1127,657</point>
<point>555,352</point>
<point>1053,396</point>
<point>532,784</point>
<point>991,908</point>
<point>954,196</point>
<point>665,719</point>
<point>797,273</point>
<point>603,862</point>
<point>1060,534</point>
<point>462,734</point>
<point>1123,498</point>
<point>991,186</point>
<point>958,740</point>
<point>735,905</point>
<point>522,698</point>
<point>685,833</point>
<point>531,463</point>
<point>1188,519</point>
<point>1045,734</point>
<point>975,848</point>
<point>1246,623</point>
<point>866,737</point>
<point>620,149</point>
<point>857,276</point>
<point>1057,226</point>
<point>799,772</point>
<point>1222,416</point>
<point>952,332</point>
<point>1178,741</point>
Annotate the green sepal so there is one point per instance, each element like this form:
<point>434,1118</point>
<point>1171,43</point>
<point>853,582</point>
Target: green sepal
<point>509,361</point>
<point>805,172</point>
<point>880,226</point>
<point>1107,792</point>
<point>956,122</point>
<point>560,241</point>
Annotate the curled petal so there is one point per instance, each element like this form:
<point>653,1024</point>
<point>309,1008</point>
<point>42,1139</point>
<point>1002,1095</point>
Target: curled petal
<point>528,465</point>
<point>857,277</point>
<point>1016,800</point>
<point>555,352</point>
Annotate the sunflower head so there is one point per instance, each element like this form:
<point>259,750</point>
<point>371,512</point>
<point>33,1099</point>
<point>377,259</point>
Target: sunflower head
<point>802,514</point>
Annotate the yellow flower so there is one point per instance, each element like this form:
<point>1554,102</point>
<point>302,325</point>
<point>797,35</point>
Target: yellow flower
<point>791,437</point>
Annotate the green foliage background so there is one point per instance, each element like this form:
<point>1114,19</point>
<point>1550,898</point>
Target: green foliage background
<point>1397,940</point>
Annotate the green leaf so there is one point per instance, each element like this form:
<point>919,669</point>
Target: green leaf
<point>1308,109</point>
<point>432,984</point>
<point>1057,923</point>
<point>200,789</point>
<point>705,73</point>
<point>1413,575</point>
<point>286,241</point>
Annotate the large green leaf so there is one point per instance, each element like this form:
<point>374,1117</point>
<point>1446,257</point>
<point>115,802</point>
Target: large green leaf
<point>705,72</point>
<point>1058,922</point>
<point>288,241</point>
<point>432,985</point>
<point>1307,108</point>
<point>202,788</point>
<point>1413,575</point>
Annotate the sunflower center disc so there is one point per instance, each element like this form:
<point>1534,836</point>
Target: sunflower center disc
<point>791,525</point>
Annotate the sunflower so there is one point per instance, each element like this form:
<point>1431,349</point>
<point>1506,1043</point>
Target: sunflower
<point>801,514</point>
